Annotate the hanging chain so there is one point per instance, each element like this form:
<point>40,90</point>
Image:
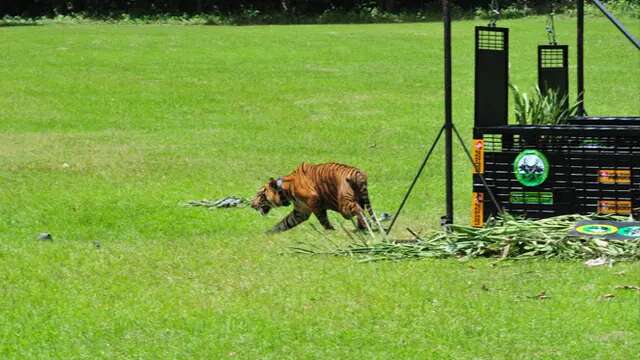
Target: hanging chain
<point>494,13</point>
<point>551,29</point>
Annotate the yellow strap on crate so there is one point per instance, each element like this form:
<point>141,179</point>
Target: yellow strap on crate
<point>477,209</point>
<point>478,156</point>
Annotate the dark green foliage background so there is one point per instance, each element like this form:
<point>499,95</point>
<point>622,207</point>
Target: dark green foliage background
<point>292,7</point>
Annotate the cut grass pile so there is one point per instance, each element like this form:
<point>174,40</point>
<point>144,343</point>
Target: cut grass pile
<point>505,237</point>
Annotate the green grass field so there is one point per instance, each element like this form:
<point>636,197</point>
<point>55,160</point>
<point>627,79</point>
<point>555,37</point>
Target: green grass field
<point>105,129</point>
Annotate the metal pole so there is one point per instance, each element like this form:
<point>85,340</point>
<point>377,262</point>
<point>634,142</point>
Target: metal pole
<point>447,111</point>
<point>580,57</point>
<point>617,23</point>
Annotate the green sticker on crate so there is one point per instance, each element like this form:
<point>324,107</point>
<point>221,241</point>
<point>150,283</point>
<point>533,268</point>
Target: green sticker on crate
<point>531,198</point>
<point>531,168</point>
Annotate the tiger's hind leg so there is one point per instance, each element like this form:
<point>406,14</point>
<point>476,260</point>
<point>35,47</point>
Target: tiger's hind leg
<point>363,223</point>
<point>349,205</point>
<point>324,219</point>
<point>360,187</point>
<point>361,190</point>
<point>292,220</point>
<point>351,209</point>
<point>365,204</point>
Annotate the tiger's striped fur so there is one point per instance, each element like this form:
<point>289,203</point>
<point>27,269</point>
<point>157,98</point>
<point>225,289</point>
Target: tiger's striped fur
<point>314,189</point>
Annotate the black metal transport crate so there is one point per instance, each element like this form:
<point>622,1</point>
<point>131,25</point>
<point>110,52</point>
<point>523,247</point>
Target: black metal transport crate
<point>542,171</point>
<point>589,165</point>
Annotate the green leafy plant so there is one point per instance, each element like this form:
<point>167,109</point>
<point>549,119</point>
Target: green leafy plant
<point>538,108</point>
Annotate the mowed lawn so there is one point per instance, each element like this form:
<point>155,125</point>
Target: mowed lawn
<point>106,129</point>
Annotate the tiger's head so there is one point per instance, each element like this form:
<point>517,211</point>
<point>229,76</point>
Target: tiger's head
<point>269,196</point>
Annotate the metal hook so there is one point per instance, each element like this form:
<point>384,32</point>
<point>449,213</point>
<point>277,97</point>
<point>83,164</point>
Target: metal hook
<point>551,29</point>
<point>494,13</point>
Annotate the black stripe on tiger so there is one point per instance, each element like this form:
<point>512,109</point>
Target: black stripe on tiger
<point>292,220</point>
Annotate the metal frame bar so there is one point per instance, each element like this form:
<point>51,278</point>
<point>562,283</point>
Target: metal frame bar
<point>580,68</point>
<point>448,127</point>
<point>563,130</point>
<point>617,23</point>
<point>580,45</point>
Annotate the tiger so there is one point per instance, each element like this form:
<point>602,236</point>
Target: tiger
<point>314,189</point>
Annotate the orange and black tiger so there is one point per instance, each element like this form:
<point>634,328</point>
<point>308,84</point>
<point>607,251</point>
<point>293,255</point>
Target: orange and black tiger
<point>314,189</point>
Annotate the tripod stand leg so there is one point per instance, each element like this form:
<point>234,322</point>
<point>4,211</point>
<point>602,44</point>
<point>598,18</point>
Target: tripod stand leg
<point>415,179</point>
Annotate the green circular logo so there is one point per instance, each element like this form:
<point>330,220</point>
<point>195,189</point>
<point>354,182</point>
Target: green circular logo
<point>630,231</point>
<point>531,168</point>
<point>597,229</point>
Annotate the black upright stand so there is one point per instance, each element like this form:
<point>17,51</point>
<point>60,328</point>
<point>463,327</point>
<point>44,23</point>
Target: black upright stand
<point>448,124</point>
<point>448,129</point>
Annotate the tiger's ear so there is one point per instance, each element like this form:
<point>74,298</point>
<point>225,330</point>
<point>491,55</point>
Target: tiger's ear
<point>273,183</point>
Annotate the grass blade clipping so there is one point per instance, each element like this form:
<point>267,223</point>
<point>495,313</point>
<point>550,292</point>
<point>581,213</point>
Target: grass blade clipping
<point>223,203</point>
<point>505,236</point>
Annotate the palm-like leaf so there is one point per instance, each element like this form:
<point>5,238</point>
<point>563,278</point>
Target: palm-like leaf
<point>547,108</point>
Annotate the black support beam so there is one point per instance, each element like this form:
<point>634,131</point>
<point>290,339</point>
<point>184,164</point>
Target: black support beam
<point>448,120</point>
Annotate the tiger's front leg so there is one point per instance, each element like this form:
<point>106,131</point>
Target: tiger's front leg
<point>324,219</point>
<point>293,219</point>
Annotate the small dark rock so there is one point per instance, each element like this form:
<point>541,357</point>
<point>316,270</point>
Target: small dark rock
<point>45,237</point>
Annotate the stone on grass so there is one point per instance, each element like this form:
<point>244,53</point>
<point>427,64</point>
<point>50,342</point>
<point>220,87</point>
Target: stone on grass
<point>45,237</point>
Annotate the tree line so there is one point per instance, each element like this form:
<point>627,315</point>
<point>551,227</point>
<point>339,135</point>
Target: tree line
<point>32,8</point>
